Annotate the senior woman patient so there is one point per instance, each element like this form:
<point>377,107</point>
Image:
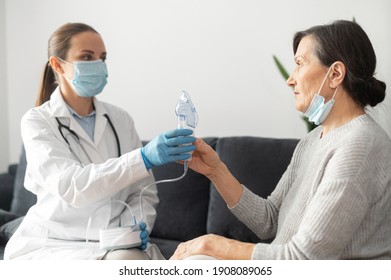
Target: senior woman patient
<point>334,199</point>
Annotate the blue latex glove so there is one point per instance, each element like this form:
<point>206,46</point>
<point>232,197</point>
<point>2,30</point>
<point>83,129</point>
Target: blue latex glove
<point>144,235</point>
<point>168,147</point>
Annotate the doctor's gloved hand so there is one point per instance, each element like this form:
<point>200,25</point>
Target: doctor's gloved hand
<point>168,147</point>
<point>144,236</point>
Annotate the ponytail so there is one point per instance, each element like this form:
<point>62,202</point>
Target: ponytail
<point>47,86</point>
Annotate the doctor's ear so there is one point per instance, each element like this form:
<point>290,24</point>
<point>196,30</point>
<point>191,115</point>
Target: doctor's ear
<point>337,74</point>
<point>56,65</point>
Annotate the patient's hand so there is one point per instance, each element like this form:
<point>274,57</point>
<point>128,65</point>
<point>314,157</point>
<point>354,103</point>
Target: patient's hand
<point>204,160</point>
<point>215,246</point>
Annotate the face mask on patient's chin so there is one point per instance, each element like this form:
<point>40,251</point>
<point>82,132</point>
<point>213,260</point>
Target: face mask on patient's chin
<point>318,111</point>
<point>89,78</point>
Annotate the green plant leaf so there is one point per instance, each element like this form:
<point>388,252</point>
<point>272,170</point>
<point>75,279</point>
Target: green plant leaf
<point>310,125</point>
<point>281,68</point>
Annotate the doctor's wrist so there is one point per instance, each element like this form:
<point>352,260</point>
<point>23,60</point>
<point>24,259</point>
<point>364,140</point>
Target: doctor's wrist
<point>148,165</point>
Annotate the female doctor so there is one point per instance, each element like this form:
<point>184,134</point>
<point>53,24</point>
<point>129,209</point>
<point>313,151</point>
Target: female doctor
<point>85,161</point>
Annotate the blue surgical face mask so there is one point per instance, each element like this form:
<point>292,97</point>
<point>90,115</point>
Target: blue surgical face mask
<point>318,111</point>
<point>89,78</point>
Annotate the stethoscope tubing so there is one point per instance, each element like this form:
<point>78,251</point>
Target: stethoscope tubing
<point>115,134</point>
<point>62,126</point>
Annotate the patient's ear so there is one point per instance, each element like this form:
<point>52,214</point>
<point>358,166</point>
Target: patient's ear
<point>337,74</point>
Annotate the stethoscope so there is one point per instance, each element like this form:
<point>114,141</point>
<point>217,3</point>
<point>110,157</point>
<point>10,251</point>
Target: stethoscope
<point>77,139</point>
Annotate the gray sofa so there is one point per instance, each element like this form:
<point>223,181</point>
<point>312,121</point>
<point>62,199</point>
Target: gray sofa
<point>188,208</point>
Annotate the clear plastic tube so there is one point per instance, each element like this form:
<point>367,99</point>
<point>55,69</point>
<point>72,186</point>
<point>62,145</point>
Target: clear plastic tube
<point>185,168</point>
<point>93,214</point>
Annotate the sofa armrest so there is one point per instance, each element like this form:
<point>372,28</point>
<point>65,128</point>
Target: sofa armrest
<point>7,187</point>
<point>8,229</point>
<point>6,216</point>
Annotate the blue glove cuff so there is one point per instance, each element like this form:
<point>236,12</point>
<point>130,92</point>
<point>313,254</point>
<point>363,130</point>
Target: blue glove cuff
<point>148,165</point>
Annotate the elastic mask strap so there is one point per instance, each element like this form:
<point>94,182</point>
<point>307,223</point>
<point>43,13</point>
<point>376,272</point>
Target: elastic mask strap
<point>66,76</point>
<point>324,80</point>
<point>64,60</point>
<point>335,93</point>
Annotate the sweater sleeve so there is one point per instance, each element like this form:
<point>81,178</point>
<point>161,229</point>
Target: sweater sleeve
<point>263,218</point>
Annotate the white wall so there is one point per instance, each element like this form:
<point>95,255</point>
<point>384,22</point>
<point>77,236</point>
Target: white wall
<point>220,51</point>
<point>4,144</point>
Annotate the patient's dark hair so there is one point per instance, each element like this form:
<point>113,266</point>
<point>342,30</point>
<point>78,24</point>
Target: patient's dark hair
<point>347,42</point>
<point>58,45</point>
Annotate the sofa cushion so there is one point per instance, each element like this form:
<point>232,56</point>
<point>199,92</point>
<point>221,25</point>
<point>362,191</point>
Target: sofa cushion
<point>167,247</point>
<point>22,198</point>
<point>8,229</point>
<point>6,216</point>
<point>180,200</point>
<point>2,247</point>
<point>7,186</point>
<point>258,163</point>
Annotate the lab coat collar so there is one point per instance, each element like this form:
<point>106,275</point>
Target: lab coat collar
<point>59,109</point>
<point>100,121</point>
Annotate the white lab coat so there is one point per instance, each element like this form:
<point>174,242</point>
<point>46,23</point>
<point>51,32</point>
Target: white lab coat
<point>68,192</point>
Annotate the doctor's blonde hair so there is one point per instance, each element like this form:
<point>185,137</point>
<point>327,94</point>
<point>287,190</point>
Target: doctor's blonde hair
<point>58,45</point>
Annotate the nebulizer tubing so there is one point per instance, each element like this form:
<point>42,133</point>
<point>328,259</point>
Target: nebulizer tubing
<point>160,182</point>
<point>93,213</point>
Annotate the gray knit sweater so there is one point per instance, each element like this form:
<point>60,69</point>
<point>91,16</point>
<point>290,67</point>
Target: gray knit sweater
<point>333,201</point>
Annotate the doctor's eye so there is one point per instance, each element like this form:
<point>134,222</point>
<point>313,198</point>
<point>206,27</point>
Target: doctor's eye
<point>86,57</point>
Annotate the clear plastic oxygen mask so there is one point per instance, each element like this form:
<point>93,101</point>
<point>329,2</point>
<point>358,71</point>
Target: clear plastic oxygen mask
<point>186,112</point>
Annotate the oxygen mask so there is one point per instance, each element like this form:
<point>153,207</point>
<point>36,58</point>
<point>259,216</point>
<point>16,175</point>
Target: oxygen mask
<point>186,112</point>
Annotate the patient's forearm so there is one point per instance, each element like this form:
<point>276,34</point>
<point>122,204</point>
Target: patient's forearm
<point>226,184</point>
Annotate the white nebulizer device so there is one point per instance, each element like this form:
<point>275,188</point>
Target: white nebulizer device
<point>129,236</point>
<point>118,237</point>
